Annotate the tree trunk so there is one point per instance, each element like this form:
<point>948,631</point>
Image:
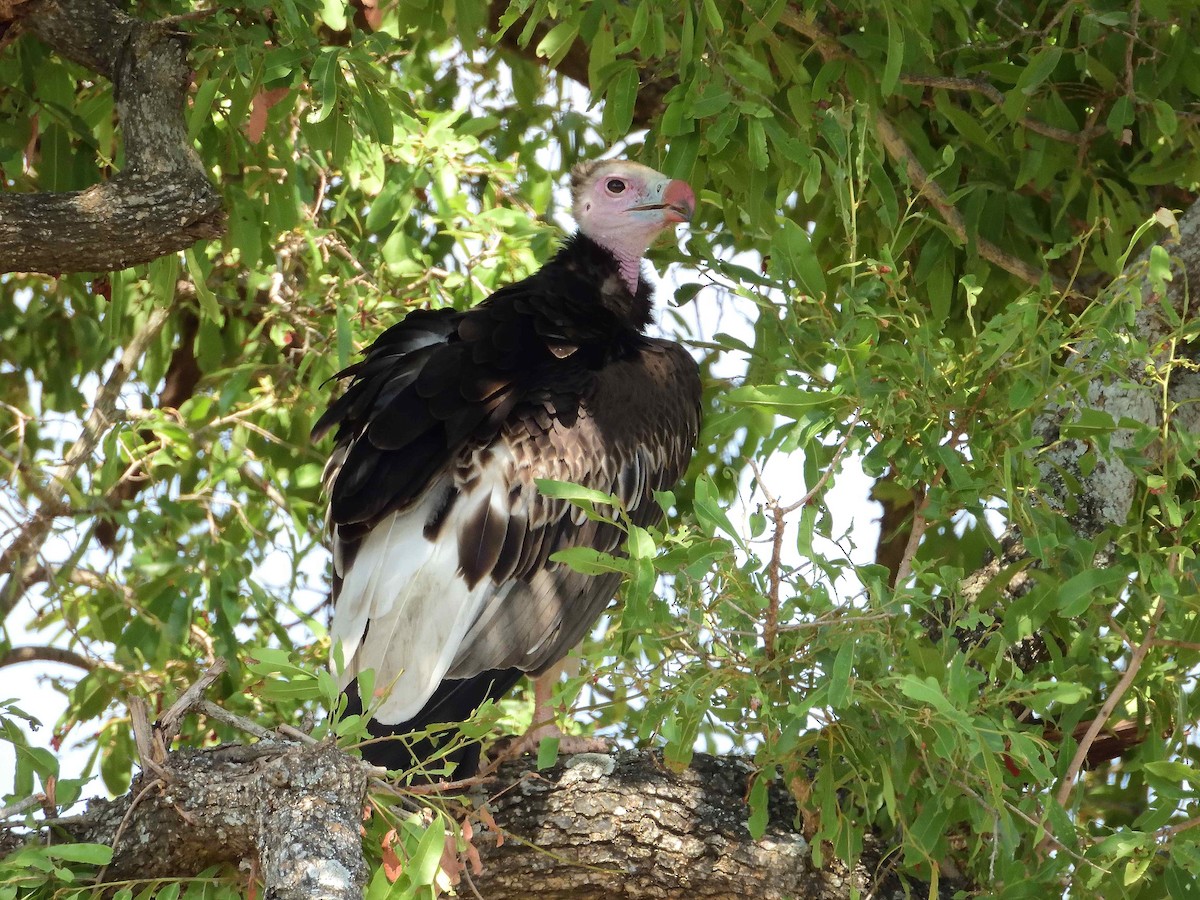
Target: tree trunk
<point>162,201</point>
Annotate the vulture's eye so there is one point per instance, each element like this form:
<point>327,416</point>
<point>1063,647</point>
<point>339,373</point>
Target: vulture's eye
<point>615,185</point>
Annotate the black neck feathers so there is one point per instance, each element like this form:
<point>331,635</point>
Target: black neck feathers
<point>584,264</point>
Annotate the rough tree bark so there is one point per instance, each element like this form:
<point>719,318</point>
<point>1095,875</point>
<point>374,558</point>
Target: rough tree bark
<point>593,826</point>
<point>162,201</point>
<point>293,811</point>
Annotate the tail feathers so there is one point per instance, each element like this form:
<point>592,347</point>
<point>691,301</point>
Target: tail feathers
<point>453,701</point>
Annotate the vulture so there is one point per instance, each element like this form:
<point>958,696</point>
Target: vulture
<point>443,579</point>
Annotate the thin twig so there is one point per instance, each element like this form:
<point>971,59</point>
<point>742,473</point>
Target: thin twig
<point>1030,820</point>
<point>440,787</point>
<point>157,783</point>
<point>991,92</point>
<point>22,806</point>
<point>225,717</point>
<point>779,514</point>
<point>1106,711</point>
<point>1172,830</point>
<point>36,529</point>
<point>168,723</point>
<point>919,524</point>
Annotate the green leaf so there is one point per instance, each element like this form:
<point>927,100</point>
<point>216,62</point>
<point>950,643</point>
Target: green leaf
<point>1039,69</point>
<point>793,250</point>
<point>759,808</point>
<point>637,30</point>
<point>641,544</point>
<point>208,300</point>
<point>326,75</point>
<point>565,490</point>
<point>926,691</point>
<point>619,100</point>
<point>840,683</point>
<point>423,867</point>
<point>895,58</point>
<point>589,561</point>
<point>558,40</point>
<point>547,754</point>
<point>1171,770</point>
<point>756,141</point>
<point>92,854</point>
<point>784,399</point>
<point>345,338</point>
<point>1076,595</point>
<point>708,510</point>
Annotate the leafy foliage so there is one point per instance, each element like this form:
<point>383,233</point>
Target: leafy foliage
<point>877,183</point>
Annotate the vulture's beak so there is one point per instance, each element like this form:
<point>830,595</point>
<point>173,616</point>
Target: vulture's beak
<point>677,204</point>
<point>680,202</point>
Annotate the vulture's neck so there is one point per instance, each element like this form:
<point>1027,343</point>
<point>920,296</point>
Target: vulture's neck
<point>619,283</point>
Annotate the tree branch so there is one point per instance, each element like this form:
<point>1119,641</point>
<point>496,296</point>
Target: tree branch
<point>903,156</point>
<point>163,201</point>
<point>596,827</point>
<point>295,809</point>
<point>1101,720</point>
<point>61,655</point>
<point>993,93</point>
<point>17,558</point>
<point>593,827</point>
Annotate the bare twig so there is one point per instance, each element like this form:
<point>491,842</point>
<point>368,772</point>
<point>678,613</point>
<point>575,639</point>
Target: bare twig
<point>233,720</point>
<point>1106,711</point>
<point>919,524</point>
<point>779,514</point>
<point>168,723</point>
<point>151,752</point>
<point>19,553</point>
<point>1172,830</point>
<point>22,806</point>
<point>156,784</point>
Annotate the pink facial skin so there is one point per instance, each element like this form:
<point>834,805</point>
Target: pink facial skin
<point>624,206</point>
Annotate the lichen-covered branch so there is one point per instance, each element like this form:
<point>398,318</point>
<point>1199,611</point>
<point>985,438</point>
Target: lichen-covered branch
<point>593,826</point>
<point>163,200</point>
<point>1104,495</point>
<point>293,810</point>
<point>598,827</point>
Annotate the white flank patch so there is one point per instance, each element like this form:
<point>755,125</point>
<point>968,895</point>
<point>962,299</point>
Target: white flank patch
<point>404,609</point>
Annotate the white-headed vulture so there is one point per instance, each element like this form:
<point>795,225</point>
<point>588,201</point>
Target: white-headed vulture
<point>442,577</point>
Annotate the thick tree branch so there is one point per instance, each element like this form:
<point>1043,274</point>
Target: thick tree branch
<point>293,809</point>
<point>597,827</point>
<point>593,826</point>
<point>162,201</point>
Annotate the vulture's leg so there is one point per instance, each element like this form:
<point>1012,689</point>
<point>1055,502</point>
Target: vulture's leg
<point>543,724</point>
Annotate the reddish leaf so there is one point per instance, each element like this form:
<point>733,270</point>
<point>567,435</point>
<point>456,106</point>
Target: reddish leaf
<point>256,122</point>
<point>392,867</point>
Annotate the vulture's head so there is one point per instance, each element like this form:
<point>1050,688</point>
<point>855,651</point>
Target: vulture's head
<point>623,205</point>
